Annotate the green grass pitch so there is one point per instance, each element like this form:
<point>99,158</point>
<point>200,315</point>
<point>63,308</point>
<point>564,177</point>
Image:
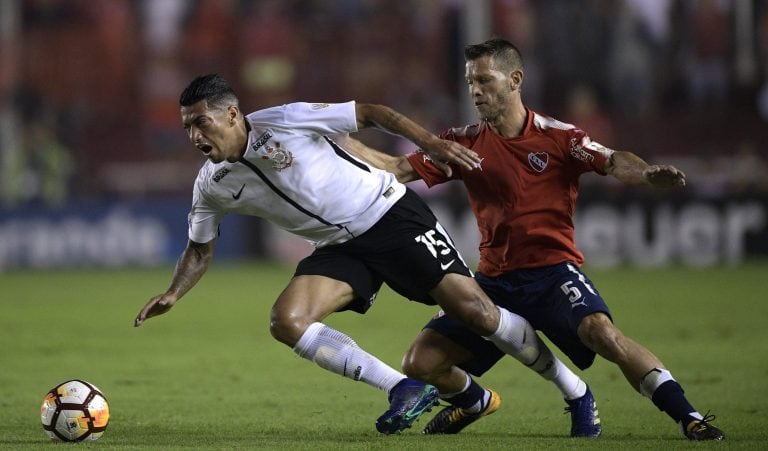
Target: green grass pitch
<point>207,375</point>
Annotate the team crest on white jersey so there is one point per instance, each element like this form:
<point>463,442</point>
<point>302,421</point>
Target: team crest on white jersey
<point>538,160</point>
<point>280,158</point>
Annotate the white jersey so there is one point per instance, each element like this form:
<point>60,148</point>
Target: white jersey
<point>296,176</point>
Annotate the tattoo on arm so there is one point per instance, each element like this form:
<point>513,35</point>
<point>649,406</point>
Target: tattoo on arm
<point>191,266</point>
<point>392,119</point>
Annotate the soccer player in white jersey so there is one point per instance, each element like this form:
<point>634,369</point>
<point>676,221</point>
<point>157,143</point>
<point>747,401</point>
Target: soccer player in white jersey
<point>283,164</point>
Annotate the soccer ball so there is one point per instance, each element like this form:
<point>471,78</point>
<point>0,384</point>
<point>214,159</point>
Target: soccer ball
<point>74,411</point>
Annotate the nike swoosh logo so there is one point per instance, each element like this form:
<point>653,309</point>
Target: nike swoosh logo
<point>445,266</point>
<point>237,196</point>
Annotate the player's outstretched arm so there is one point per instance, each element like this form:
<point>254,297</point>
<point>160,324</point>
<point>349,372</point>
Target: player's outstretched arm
<point>633,170</point>
<point>441,151</point>
<point>190,268</point>
<point>398,165</point>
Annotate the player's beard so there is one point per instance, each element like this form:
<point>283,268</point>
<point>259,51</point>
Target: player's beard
<point>496,110</point>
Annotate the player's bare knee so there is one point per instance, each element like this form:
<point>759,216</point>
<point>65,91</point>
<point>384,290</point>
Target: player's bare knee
<point>287,329</point>
<point>419,365</point>
<point>413,366</point>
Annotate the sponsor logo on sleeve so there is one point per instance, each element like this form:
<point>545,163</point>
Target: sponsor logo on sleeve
<point>584,149</point>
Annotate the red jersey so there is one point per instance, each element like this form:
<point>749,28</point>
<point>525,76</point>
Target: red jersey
<point>524,193</point>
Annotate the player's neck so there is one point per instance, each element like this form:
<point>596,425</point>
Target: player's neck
<point>511,123</point>
<point>244,130</point>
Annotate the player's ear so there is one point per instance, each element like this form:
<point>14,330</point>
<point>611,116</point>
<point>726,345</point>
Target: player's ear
<point>516,79</point>
<point>232,112</point>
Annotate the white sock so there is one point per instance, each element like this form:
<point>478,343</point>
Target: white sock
<point>570,385</point>
<point>467,383</point>
<point>653,380</point>
<point>516,337</point>
<point>338,353</point>
<point>479,405</point>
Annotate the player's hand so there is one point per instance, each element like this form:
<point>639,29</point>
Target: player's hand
<point>664,176</point>
<point>156,306</point>
<point>442,152</point>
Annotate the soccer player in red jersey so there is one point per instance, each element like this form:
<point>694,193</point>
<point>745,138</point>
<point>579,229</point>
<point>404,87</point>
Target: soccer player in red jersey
<point>523,194</point>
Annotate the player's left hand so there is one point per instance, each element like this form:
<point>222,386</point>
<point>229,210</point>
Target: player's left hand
<point>442,152</point>
<point>156,306</point>
<point>664,176</point>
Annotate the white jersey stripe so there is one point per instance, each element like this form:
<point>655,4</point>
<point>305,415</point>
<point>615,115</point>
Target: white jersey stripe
<point>582,279</point>
<point>285,196</point>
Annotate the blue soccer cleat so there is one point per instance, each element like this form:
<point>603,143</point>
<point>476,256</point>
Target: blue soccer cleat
<point>584,419</point>
<point>408,400</point>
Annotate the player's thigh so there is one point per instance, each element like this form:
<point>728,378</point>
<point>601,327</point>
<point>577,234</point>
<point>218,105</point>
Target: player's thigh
<point>573,296</point>
<point>569,300</point>
<point>306,299</point>
<point>312,297</point>
<point>462,299</point>
<point>337,263</point>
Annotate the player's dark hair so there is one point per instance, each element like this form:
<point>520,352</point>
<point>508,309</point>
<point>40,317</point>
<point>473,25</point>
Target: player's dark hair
<point>502,51</point>
<point>212,88</point>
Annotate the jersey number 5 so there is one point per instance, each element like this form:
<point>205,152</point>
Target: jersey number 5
<point>573,293</point>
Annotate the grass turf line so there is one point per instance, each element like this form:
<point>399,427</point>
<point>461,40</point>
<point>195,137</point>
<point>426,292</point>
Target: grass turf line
<point>207,375</point>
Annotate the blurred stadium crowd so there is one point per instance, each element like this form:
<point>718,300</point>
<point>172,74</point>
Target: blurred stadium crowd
<point>89,89</point>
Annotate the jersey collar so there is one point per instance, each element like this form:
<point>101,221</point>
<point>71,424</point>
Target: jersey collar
<point>528,124</point>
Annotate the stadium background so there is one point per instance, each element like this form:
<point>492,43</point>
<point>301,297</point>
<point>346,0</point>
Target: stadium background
<point>96,174</point>
<point>96,170</point>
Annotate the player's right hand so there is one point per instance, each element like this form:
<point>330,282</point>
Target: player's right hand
<point>444,151</point>
<point>664,176</point>
<point>156,306</point>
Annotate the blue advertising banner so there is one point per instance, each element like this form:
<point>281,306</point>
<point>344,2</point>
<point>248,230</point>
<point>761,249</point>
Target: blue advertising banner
<point>104,234</point>
<point>636,233</point>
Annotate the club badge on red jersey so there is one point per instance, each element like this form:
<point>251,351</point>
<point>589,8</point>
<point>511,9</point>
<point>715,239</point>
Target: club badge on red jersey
<point>538,160</point>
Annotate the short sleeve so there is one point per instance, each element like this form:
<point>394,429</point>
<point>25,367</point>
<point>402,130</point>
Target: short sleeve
<point>431,174</point>
<point>321,118</point>
<point>428,172</point>
<point>587,155</point>
<point>203,218</point>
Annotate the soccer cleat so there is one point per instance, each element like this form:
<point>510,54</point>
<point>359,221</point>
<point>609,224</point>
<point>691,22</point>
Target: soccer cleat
<point>584,419</point>
<point>407,401</point>
<point>702,430</point>
<point>453,419</point>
